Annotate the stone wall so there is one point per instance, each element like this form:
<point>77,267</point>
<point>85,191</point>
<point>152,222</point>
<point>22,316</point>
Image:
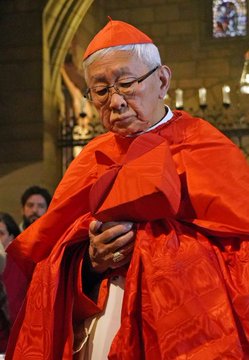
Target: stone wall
<point>21,82</point>
<point>21,120</point>
<point>182,29</point>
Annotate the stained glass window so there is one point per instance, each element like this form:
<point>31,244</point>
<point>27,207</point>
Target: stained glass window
<point>229,18</point>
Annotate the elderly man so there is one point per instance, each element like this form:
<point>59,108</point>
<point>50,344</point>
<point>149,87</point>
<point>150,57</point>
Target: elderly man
<point>143,253</point>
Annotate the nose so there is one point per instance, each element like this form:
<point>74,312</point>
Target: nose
<point>117,101</point>
<point>35,209</point>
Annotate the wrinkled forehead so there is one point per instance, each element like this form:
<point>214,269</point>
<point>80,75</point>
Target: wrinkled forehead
<point>113,64</point>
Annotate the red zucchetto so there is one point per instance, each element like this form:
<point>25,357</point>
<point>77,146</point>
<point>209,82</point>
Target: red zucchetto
<point>116,33</point>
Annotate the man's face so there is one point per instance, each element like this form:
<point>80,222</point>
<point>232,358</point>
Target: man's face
<point>34,208</point>
<point>5,237</point>
<point>129,115</point>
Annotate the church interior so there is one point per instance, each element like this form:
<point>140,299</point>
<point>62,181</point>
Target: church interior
<point>45,120</point>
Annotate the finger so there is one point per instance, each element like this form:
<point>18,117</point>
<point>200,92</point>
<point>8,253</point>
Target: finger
<point>115,237</point>
<point>105,254</point>
<point>95,226</point>
<point>94,231</point>
<point>99,261</point>
<point>105,259</point>
<point>126,260</point>
<point>111,224</point>
<point>122,255</point>
<point>121,241</point>
<point>107,235</point>
<point>126,250</point>
<point>117,231</point>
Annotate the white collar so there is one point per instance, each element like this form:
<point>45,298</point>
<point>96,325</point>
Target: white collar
<point>166,118</point>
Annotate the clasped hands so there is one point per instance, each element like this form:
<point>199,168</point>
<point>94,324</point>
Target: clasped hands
<point>111,244</point>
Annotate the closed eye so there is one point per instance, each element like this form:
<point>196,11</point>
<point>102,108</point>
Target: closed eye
<point>101,91</point>
<point>125,84</point>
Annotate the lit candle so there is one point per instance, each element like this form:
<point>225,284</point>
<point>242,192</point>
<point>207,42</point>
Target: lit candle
<point>203,96</point>
<point>179,98</point>
<point>244,84</point>
<point>226,94</point>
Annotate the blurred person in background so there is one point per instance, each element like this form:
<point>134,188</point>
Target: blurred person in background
<point>12,287</point>
<point>35,201</point>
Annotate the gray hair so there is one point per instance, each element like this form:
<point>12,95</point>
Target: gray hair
<point>147,53</point>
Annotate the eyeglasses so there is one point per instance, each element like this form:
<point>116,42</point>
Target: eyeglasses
<point>124,87</point>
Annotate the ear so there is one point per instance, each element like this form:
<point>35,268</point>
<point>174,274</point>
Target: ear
<point>165,76</point>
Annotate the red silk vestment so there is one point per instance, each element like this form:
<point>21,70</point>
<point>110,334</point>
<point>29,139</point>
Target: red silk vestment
<point>185,185</point>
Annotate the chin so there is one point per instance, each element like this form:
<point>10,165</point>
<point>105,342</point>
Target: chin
<point>131,128</point>
<point>120,132</point>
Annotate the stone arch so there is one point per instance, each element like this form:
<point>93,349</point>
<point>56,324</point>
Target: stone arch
<point>61,19</point>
